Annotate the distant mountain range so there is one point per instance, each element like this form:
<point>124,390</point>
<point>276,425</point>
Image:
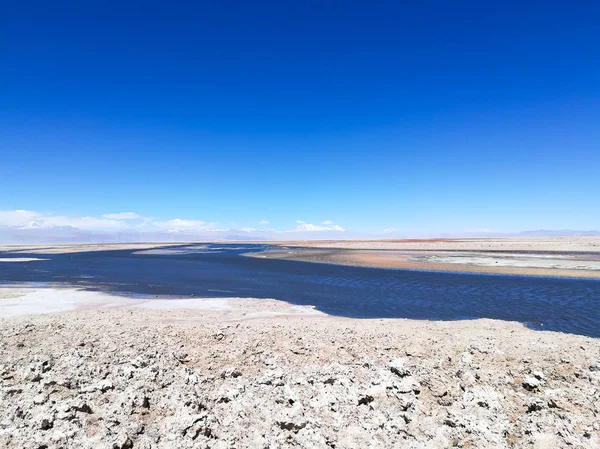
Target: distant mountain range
<point>67,234</point>
<point>561,233</point>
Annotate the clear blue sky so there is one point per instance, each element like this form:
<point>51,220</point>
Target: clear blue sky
<point>431,115</point>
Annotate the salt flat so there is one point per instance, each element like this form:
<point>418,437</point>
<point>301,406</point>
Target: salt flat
<point>536,256</point>
<point>554,244</point>
<point>119,375</point>
<point>78,247</point>
<point>23,301</point>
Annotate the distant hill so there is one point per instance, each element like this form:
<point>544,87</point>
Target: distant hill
<point>68,234</point>
<point>558,233</point>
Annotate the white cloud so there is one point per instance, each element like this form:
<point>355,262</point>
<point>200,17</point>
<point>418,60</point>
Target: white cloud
<point>389,230</point>
<point>300,222</point>
<point>145,223</point>
<point>17,217</point>
<point>27,219</point>
<point>308,227</point>
<point>130,221</point>
<point>83,222</point>
<point>264,222</point>
<point>123,216</point>
<point>178,224</point>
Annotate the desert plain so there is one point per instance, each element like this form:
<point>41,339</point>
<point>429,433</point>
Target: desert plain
<point>577,257</point>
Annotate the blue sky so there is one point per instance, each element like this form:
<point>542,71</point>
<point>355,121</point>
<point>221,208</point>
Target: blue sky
<point>424,118</point>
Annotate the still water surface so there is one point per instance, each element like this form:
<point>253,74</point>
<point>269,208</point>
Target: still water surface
<point>567,305</point>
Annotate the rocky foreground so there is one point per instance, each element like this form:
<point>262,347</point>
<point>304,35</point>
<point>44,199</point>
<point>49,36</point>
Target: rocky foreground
<point>179,379</point>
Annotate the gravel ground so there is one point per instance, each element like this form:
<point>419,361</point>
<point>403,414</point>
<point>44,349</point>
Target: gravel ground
<point>137,378</point>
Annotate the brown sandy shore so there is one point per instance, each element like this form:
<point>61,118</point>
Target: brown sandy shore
<point>247,373</point>
<point>577,257</point>
<point>543,244</point>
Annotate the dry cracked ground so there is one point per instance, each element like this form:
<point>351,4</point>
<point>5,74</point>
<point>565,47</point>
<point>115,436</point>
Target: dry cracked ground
<point>188,379</point>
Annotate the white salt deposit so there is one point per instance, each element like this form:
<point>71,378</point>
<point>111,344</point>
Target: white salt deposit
<point>28,300</point>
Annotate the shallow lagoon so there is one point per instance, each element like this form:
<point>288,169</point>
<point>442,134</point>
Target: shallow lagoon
<point>566,305</point>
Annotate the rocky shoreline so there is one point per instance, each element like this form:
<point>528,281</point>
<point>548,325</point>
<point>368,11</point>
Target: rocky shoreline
<point>136,378</point>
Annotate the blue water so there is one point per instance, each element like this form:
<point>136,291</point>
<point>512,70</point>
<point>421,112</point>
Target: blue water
<point>560,304</point>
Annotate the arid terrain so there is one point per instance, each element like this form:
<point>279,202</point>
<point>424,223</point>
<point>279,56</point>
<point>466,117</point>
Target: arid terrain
<point>79,248</point>
<point>254,373</point>
<point>537,256</point>
<point>518,244</point>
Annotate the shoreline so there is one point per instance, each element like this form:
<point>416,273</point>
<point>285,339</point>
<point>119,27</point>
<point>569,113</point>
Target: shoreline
<point>562,258</point>
<point>547,244</point>
<point>23,300</point>
<point>475,271</point>
<point>449,269</point>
